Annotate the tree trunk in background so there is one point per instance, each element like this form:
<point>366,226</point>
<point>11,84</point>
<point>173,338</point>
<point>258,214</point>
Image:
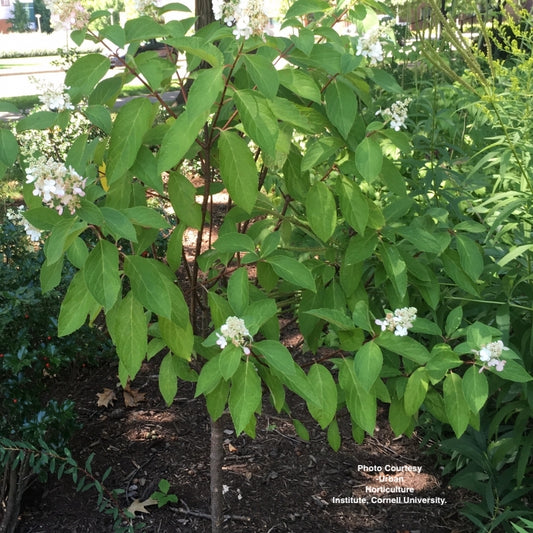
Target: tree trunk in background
<point>204,11</point>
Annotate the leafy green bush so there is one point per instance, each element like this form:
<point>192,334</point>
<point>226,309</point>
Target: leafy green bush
<point>372,215</point>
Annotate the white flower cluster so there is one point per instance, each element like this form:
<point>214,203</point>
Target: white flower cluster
<point>17,217</point>
<point>54,97</point>
<point>58,186</point>
<point>369,45</point>
<point>396,113</point>
<point>235,331</point>
<point>399,321</point>
<point>246,16</point>
<point>68,14</point>
<point>490,355</point>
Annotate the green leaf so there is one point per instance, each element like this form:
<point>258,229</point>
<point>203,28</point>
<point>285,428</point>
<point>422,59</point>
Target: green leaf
<point>151,284</point>
<point>238,291</point>
<point>84,74</point>
<point>115,34</point>
<point>102,275</point>
<point>395,267</point>
<point>301,430</point>
<point>133,120</point>
<point>40,120</point>
<point>183,199</point>
<point>263,74</point>
<point>325,390</point>
<point>475,388</point>
<point>258,121</point>
<point>455,404</point>
<point>320,150</point>
<point>76,305</point>
<point>513,371</point>
<point>62,236</point>
<point>292,271</point>
<point>369,159</point>
<point>100,116</point>
<point>245,395</point>
<point>399,420</point>
<point>143,29</point>
<point>118,224</point>
<point>470,256</point>
<point>404,346</point>
<point>415,391</point>
<point>127,326</point>
<point>334,436</point>
<point>238,170</point>
<point>8,147</point>
<point>386,81</point>
<point>354,206</point>
<point>453,320</point>
<point>168,379</point>
<point>368,362</point>
<point>301,84</point>
<point>443,359</point>
<point>146,217</point>
<point>178,338</point>
<point>341,106</point>
<point>183,132</point>
<point>303,7</point>
<point>43,218</point>
<point>258,313</point>
<point>452,267</point>
<point>360,403</point>
<point>209,377</point>
<point>321,210</point>
<point>234,242</point>
<point>229,360</point>
<point>50,275</point>
<point>335,317</point>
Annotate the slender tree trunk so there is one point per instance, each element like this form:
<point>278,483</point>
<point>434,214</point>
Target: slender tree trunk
<point>216,475</point>
<point>204,12</point>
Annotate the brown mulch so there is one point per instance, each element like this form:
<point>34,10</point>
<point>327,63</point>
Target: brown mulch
<point>275,483</point>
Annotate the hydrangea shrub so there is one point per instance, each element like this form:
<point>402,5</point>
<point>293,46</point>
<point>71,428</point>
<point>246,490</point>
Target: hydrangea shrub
<point>308,134</point>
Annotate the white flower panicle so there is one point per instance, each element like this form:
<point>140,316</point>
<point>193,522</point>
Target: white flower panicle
<point>58,186</point>
<point>54,97</point>
<point>17,217</point>
<point>399,322</point>
<point>68,14</point>
<point>396,113</point>
<point>246,16</point>
<point>235,331</point>
<point>369,45</point>
<point>490,355</point>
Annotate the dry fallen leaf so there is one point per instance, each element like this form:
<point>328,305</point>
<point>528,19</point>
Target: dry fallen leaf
<point>232,448</point>
<point>132,397</point>
<point>106,398</point>
<point>140,507</point>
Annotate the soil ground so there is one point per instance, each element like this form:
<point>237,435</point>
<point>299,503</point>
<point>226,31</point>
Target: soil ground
<point>275,483</point>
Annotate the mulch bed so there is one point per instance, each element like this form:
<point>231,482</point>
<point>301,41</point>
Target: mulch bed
<point>275,483</point>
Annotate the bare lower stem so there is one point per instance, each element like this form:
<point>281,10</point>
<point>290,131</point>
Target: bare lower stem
<point>216,475</point>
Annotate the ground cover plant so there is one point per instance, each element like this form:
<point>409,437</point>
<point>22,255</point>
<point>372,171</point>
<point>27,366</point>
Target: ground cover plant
<point>400,248</point>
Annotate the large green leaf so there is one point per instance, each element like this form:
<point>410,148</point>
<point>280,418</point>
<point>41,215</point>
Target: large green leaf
<point>238,170</point>
<point>84,74</point>
<point>292,271</point>
<point>395,267</point>
<point>303,7</point>
<point>77,304</point>
<point>415,391</point>
<point>263,74</point>
<point>118,224</point>
<point>184,131</point>
<point>132,122</point>
<point>258,120</point>
<point>229,360</point>
<point>143,29</point>
<point>245,395</point>
<point>341,106</point>
<point>62,236</point>
<point>179,338</point>
<point>238,291</point>
<point>321,210</point>
<point>168,377</point>
<point>353,204</point>
<point>404,346</point>
<point>368,362</point>
<point>475,388</point>
<point>300,83</point>
<point>127,325</point>
<point>470,256</point>
<point>455,403</point>
<point>368,158</point>
<point>183,199</point>
<point>8,147</point>
<point>325,390</point>
<point>102,275</point>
